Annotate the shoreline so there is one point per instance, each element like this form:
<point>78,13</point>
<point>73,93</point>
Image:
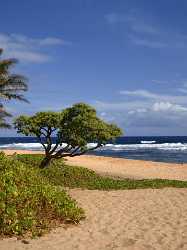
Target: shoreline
<point>123,168</point>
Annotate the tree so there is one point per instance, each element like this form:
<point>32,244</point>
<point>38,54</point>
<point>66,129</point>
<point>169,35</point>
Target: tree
<point>10,87</point>
<point>73,129</point>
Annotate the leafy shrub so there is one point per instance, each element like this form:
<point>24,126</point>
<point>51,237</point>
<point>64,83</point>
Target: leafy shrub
<point>28,201</point>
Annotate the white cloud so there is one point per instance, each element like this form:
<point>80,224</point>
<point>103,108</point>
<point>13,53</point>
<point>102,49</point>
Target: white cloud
<point>51,41</point>
<point>141,27</point>
<point>138,110</point>
<point>28,56</point>
<point>149,96</point>
<point>134,23</point>
<point>139,93</point>
<point>131,112</point>
<point>28,49</point>
<point>142,30</point>
<point>167,106</point>
<point>103,114</point>
<point>118,106</point>
<point>136,107</point>
<point>159,81</point>
<point>142,110</point>
<point>183,89</point>
<point>147,42</point>
<point>113,18</point>
<point>163,108</point>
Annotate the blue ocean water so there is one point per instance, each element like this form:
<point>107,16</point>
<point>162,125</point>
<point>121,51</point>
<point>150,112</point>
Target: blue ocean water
<point>162,149</point>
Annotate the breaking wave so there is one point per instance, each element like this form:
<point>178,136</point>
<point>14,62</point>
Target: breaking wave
<point>159,146</point>
<point>29,146</point>
<point>144,145</point>
<point>147,142</point>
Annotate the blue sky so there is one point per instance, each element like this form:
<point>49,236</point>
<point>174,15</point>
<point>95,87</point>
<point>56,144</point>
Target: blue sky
<point>125,57</point>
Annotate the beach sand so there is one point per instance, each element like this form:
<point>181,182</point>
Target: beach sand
<point>133,169</point>
<point>123,220</point>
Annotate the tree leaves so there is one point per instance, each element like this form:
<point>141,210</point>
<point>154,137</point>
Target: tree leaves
<point>73,129</point>
<point>10,85</point>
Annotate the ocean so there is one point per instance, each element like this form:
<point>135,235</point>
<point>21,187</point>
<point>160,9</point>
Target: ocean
<point>153,148</point>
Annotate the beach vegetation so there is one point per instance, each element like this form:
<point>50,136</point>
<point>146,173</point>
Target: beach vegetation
<point>59,173</point>
<point>72,129</point>
<point>11,85</point>
<point>29,203</point>
<point>34,200</point>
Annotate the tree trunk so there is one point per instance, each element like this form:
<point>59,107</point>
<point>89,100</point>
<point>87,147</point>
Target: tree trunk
<point>45,162</point>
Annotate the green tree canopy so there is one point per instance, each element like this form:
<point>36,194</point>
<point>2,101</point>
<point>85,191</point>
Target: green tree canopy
<point>73,129</point>
<point>10,87</point>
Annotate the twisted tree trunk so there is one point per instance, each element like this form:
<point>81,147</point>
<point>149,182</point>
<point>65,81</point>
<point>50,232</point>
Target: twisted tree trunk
<point>45,162</point>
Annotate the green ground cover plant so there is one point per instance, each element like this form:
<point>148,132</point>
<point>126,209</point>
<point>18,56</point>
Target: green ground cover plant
<point>58,173</point>
<point>29,203</point>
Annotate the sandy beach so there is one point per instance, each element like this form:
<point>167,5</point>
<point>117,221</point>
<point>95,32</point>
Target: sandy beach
<point>132,169</point>
<point>125,219</point>
<point>122,220</point>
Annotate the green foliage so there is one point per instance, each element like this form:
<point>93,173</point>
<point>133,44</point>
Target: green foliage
<point>10,87</point>
<point>74,128</point>
<point>29,203</point>
<point>37,124</point>
<point>80,125</point>
<point>78,177</point>
<point>29,159</point>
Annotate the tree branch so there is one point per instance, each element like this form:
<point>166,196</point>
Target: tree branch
<point>49,141</point>
<point>62,150</point>
<point>39,138</point>
<point>75,150</point>
<point>85,151</point>
<point>46,130</point>
<point>54,148</point>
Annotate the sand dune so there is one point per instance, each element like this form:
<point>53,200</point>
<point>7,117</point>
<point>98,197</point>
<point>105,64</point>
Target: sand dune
<point>121,220</point>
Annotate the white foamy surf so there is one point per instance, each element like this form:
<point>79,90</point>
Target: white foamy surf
<point>29,146</point>
<point>159,146</point>
<point>112,147</point>
<point>147,142</point>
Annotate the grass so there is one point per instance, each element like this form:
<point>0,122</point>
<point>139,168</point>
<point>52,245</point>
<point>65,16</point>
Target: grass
<point>78,177</point>
<point>29,203</point>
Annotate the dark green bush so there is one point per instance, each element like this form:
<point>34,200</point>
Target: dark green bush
<point>29,203</point>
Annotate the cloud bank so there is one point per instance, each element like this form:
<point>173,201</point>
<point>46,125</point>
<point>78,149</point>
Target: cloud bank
<point>27,49</point>
<point>143,110</point>
<point>141,30</point>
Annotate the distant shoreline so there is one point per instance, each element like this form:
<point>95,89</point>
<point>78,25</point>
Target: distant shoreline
<point>157,149</point>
